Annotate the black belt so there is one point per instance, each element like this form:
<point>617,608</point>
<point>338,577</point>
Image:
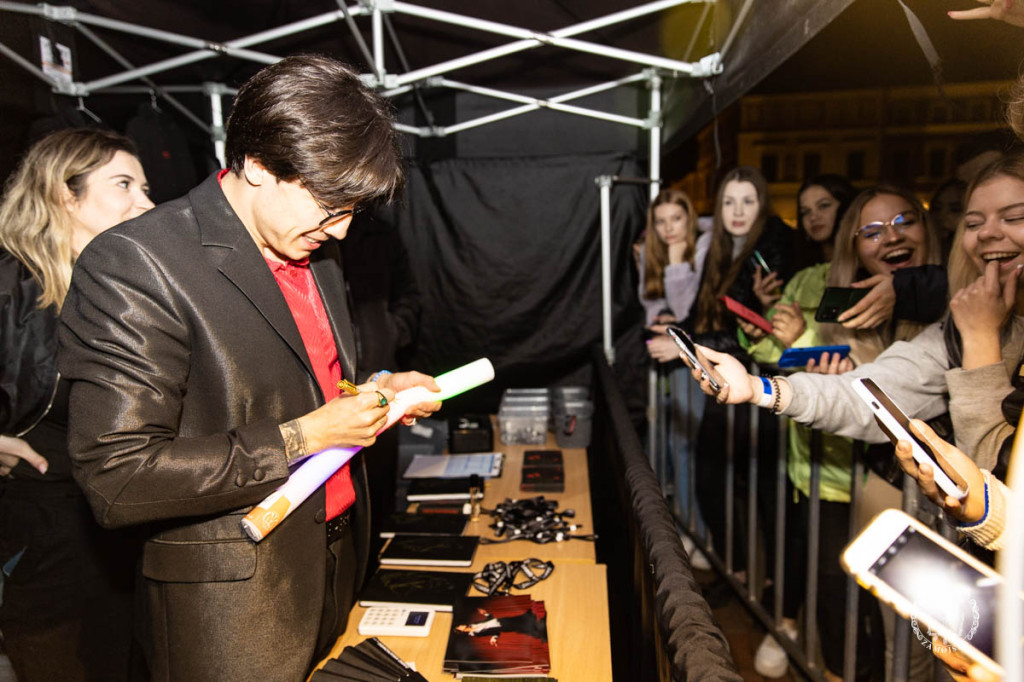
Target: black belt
<point>338,526</point>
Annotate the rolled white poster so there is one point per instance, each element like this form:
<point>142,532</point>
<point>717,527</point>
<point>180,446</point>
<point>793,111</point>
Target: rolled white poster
<point>312,473</point>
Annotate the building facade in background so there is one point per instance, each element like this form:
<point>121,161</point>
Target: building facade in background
<point>912,137</point>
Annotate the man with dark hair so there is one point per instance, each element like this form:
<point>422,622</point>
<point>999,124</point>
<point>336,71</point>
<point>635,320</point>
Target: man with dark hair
<point>205,345</point>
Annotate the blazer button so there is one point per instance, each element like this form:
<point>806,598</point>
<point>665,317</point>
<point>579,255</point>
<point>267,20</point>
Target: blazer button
<point>321,515</point>
<point>258,474</point>
<point>240,480</point>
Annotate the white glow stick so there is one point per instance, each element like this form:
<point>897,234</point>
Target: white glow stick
<point>312,473</point>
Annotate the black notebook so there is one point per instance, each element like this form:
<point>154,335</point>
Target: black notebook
<point>542,479</point>
<point>421,489</point>
<point>402,523</point>
<point>435,590</point>
<point>430,550</point>
<point>542,458</point>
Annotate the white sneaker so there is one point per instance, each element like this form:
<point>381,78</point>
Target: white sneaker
<point>771,659</point>
<point>697,558</point>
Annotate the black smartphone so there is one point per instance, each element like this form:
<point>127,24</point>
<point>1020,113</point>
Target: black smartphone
<point>689,349</point>
<point>836,300</point>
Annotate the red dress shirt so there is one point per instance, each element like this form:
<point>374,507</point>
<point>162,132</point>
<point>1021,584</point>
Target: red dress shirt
<point>303,299</point>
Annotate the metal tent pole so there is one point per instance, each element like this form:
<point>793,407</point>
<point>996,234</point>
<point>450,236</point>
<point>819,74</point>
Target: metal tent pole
<point>214,92</point>
<point>605,183</point>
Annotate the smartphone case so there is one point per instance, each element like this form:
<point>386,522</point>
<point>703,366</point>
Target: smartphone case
<point>742,311</point>
<point>798,357</point>
<point>895,430</point>
<point>862,554</point>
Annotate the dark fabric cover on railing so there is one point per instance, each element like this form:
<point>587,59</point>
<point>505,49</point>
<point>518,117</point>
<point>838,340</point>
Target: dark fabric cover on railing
<point>688,644</point>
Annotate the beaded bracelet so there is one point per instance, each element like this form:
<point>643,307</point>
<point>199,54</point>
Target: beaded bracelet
<point>378,374</point>
<point>777,403</point>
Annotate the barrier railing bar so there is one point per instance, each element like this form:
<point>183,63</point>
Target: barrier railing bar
<point>901,633</point>
<point>781,476</point>
<point>852,590</point>
<point>813,548</point>
<point>730,480</point>
<point>691,463</point>
<point>753,580</point>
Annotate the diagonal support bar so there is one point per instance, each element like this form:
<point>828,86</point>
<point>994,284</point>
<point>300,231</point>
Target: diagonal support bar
<point>533,39</point>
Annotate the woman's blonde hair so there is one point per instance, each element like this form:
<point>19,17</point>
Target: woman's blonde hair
<point>35,226</point>
<point>656,251</point>
<point>867,344</point>
<point>962,269</point>
<point>720,268</point>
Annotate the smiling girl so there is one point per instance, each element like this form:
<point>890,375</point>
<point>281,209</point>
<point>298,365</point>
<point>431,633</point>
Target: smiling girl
<point>884,231</point>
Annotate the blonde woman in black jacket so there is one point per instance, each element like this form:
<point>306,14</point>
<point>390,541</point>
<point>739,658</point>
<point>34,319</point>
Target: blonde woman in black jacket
<point>65,613</point>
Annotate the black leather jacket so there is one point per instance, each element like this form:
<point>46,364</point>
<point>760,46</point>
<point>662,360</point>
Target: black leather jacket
<point>28,350</point>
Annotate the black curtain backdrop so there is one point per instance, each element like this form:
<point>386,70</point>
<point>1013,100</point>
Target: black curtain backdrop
<point>507,255</point>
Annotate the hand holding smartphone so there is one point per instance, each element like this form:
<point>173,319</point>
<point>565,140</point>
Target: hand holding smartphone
<point>896,425</point>
<point>837,300</point>
<point>695,358</point>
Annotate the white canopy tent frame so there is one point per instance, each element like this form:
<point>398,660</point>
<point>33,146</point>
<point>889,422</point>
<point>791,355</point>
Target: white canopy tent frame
<point>394,84</point>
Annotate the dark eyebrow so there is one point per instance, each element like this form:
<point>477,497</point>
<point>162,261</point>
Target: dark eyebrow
<point>1011,207</point>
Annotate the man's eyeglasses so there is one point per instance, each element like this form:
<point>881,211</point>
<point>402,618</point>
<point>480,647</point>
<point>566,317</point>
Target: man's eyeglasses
<point>900,223</point>
<point>332,216</point>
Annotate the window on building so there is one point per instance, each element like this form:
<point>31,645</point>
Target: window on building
<point>770,167</point>
<point>812,164</point>
<point>855,165</point>
<point>789,169</point>
<point>937,163</point>
<point>901,165</point>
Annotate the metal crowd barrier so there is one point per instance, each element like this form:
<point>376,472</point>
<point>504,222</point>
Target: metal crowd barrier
<point>674,415</point>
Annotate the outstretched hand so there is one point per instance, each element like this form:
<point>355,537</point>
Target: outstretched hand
<point>730,374</point>
<point>1009,11</point>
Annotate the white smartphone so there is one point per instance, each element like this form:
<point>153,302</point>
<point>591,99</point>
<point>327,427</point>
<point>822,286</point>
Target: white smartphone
<point>896,425</point>
<point>940,588</point>
<point>689,349</point>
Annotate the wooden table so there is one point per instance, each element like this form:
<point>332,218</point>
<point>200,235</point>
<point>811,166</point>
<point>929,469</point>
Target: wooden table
<point>576,599</point>
<point>576,497</point>
<point>575,595</point>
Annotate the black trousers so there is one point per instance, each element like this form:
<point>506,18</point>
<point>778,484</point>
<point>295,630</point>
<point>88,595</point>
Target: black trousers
<point>833,536</point>
<point>712,473</point>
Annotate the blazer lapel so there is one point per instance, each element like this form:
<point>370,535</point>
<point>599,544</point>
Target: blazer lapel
<point>326,267</point>
<point>243,264</point>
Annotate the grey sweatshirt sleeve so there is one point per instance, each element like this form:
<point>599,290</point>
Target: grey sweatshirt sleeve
<point>683,280</point>
<point>912,373</point>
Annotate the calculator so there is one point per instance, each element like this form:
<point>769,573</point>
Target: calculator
<point>396,621</point>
